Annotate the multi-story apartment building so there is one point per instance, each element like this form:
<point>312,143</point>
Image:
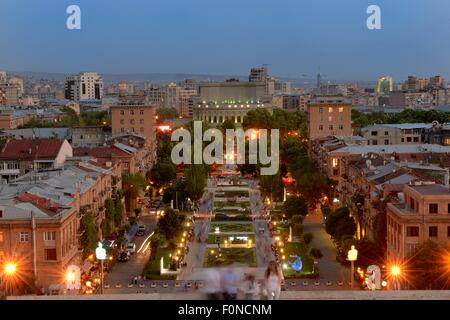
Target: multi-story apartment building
<point>90,136</point>
<point>11,119</point>
<point>422,213</point>
<point>10,94</point>
<point>40,218</point>
<point>384,134</point>
<point>18,157</point>
<point>84,86</point>
<point>133,118</point>
<point>328,116</point>
<point>411,100</point>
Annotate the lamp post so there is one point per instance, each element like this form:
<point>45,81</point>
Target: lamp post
<point>100,253</point>
<point>352,256</point>
<point>395,273</point>
<point>9,270</point>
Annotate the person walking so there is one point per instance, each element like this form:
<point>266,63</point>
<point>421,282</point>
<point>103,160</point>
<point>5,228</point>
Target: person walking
<point>272,281</point>
<point>229,284</point>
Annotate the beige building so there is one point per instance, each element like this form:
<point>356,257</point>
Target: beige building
<point>423,213</point>
<point>329,116</point>
<point>402,133</point>
<point>133,119</point>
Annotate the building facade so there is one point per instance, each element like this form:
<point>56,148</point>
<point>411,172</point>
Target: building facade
<point>84,86</point>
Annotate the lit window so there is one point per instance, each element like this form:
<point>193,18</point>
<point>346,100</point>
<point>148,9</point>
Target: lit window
<point>330,109</point>
<point>341,109</point>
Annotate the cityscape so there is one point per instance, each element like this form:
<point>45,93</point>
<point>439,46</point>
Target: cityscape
<point>94,206</point>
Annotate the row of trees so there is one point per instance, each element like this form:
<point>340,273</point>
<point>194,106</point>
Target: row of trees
<point>407,116</point>
<point>72,119</point>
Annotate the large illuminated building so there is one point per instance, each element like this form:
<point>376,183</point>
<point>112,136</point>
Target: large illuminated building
<point>230,100</point>
<point>384,85</point>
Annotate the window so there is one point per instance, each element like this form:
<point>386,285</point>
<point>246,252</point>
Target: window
<point>141,112</point>
<point>122,121</point>
<point>122,112</point>
<point>131,121</point>
<point>403,139</point>
<point>122,129</point>
<point>374,133</point>
<point>141,129</point>
<point>433,207</point>
<point>412,231</point>
<point>330,119</point>
<point>132,112</point>
<point>433,232</point>
<point>341,109</point>
<point>330,109</point>
<point>50,254</point>
<point>141,121</point>
<point>24,237</point>
<point>386,142</point>
<point>330,127</point>
<point>448,231</point>
<point>448,208</point>
<point>321,110</point>
<point>341,127</point>
<point>416,139</point>
<point>1,237</point>
<point>386,133</point>
<point>408,139</point>
<point>321,127</point>
<point>49,235</point>
<point>374,142</point>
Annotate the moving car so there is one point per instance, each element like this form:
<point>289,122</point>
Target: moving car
<point>131,248</point>
<point>141,230</point>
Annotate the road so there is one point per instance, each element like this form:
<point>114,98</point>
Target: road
<point>329,268</point>
<point>124,272</point>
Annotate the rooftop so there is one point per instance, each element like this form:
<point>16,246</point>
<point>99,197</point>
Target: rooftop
<point>431,189</point>
<point>31,149</point>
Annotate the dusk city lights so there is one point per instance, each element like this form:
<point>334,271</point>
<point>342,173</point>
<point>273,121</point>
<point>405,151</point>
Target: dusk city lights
<point>207,158</point>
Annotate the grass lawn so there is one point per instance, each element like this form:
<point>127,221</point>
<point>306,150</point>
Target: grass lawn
<point>230,256</point>
<point>242,204</point>
<point>223,237</point>
<point>235,193</point>
<point>227,227</point>
<point>296,248</point>
<point>151,269</point>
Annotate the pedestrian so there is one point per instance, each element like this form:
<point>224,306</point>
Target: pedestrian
<point>229,284</point>
<point>250,287</point>
<point>272,281</point>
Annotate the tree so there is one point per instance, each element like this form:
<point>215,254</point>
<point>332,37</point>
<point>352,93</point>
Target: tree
<point>132,185</point>
<point>340,224</point>
<point>163,172</point>
<point>271,186</point>
<point>171,224</point>
<point>428,269</point>
<point>89,230</point>
<point>295,206</point>
<point>196,176</point>
<point>158,240</point>
<point>166,113</point>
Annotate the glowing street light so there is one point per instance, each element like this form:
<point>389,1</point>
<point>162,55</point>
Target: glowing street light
<point>352,256</point>
<point>395,270</point>
<point>10,268</point>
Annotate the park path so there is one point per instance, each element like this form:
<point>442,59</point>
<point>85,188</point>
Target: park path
<point>329,267</point>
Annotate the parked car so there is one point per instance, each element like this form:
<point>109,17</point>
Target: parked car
<point>141,230</point>
<point>131,248</point>
<point>124,256</point>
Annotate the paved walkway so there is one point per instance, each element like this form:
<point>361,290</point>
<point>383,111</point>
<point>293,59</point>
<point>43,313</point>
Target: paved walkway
<point>329,268</point>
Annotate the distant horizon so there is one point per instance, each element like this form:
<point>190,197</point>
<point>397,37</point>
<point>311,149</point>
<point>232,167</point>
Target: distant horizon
<point>228,37</point>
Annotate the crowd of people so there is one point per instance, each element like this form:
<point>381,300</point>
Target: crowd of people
<point>226,283</point>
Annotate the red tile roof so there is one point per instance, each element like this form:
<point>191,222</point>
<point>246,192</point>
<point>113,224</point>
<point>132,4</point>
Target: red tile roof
<point>31,149</point>
<point>40,202</point>
<point>107,152</point>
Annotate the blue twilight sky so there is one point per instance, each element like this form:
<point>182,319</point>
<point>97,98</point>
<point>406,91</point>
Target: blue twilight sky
<point>293,37</point>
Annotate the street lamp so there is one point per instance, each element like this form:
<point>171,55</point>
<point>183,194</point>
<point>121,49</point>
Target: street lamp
<point>9,270</point>
<point>395,272</point>
<point>352,256</point>
<point>100,254</point>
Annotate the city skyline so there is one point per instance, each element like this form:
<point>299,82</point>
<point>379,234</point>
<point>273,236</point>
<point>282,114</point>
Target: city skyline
<point>300,38</point>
